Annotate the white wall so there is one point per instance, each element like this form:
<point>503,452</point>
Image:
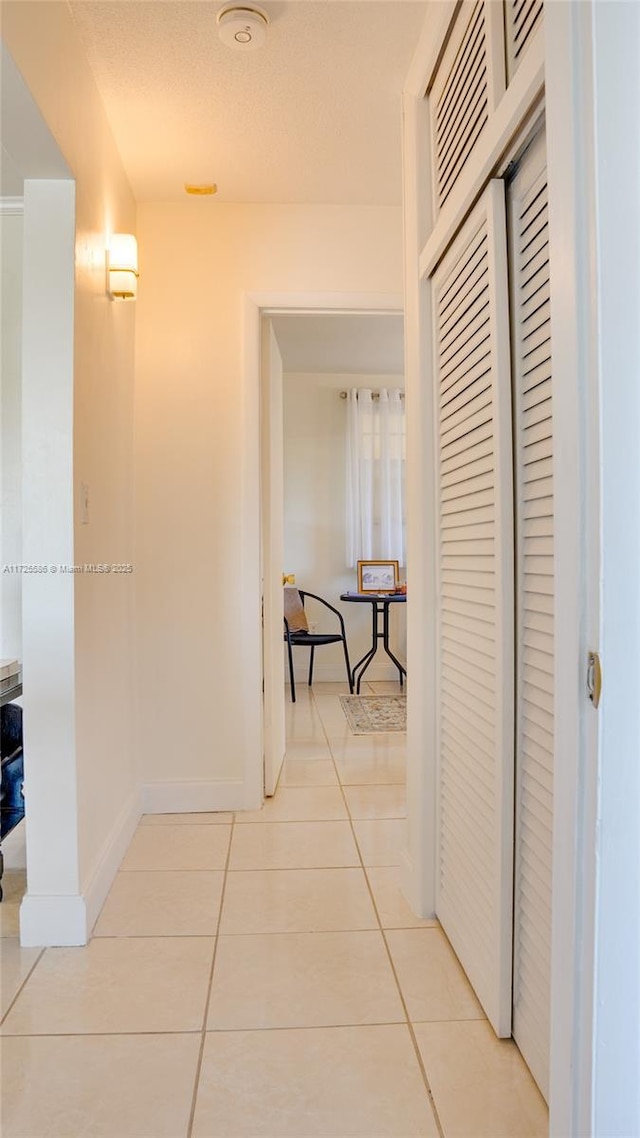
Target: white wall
<point>11,230</point>
<point>315,424</point>
<point>96,451</point>
<point>616,1090</point>
<point>194,500</point>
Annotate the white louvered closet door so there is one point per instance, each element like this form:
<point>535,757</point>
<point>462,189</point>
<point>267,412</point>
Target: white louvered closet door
<point>533,441</point>
<point>475,611</point>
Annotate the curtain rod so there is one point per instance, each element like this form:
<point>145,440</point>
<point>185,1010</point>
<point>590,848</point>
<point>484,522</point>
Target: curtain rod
<point>374,395</point>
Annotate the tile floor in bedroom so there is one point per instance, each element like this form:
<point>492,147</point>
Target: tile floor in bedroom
<point>260,975</point>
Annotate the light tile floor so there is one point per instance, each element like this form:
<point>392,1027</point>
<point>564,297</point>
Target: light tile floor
<point>261,975</point>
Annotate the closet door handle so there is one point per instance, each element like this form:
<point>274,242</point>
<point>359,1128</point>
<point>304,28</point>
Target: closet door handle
<point>594,678</point>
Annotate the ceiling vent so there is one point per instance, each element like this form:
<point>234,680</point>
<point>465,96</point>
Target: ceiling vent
<point>242,27</point>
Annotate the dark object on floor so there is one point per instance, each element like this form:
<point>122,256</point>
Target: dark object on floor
<point>297,634</point>
<point>11,753</point>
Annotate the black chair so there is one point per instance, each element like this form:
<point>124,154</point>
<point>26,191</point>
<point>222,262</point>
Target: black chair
<point>301,637</point>
<point>11,792</point>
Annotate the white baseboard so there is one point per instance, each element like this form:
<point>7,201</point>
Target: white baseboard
<point>193,797</point>
<point>407,879</point>
<point>380,672</point>
<point>110,859</point>
<point>68,919</point>
<point>50,921</point>
<point>409,886</point>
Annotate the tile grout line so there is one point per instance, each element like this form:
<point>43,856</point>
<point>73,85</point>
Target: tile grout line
<point>410,1026</point>
<point>218,1030</point>
<point>412,1034</point>
<point>203,1033</point>
<point>277,932</point>
<point>24,982</point>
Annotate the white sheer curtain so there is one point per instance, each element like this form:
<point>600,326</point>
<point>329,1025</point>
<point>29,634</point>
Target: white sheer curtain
<point>375,475</point>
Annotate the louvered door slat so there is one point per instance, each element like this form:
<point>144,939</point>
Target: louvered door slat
<point>464,446</point>
<point>463,607</point>
<point>467,795</point>
<point>533,444</point>
<point>533,619</point>
<point>534,302</point>
<point>536,638</point>
<point>464,112</point>
<point>538,471</point>
<point>467,307</point>
<point>480,376</point>
<point>472,484</point>
<point>478,466</point>
<point>468,723</point>
<point>469,741</point>
<point>540,765</point>
<point>474,501</point>
<point>479,678</point>
<point>537,729</point>
<point>480,448</point>
<point>467,354</point>
<point>459,282</point>
<point>464,55</point>
<point>536,218</point>
<point>474,398</point>
<point>465,291</point>
<point>538,490</point>
<point>458,658</point>
<point>536,241</point>
<point>538,413</point>
<point>537,393</point>
<point>523,19</point>
<point>475,750</point>
<point>466,287</point>
<point>534,716</point>
<point>475,549</point>
<point>459,100</point>
<point>475,118</point>
<point>539,792</point>
<point>458,680</point>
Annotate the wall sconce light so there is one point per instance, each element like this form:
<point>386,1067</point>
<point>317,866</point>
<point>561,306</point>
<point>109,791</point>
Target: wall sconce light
<point>122,265</point>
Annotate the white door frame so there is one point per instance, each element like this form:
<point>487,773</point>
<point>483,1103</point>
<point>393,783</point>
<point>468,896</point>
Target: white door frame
<point>272,545</point>
<point>569,98</point>
<point>591,62</point>
<point>257,305</point>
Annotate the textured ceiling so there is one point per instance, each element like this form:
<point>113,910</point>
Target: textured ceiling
<point>313,116</point>
<point>367,344</point>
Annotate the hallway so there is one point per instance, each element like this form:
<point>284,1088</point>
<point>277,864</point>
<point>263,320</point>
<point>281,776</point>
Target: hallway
<point>260,975</point>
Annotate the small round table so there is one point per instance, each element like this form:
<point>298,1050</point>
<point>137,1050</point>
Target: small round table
<point>380,604</point>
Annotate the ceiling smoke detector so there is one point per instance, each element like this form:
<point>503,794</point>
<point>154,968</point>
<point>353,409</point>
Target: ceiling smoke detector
<point>242,27</point>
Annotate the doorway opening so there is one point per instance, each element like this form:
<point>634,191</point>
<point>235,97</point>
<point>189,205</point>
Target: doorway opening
<point>310,353</point>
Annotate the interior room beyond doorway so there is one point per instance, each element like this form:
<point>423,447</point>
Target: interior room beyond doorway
<point>325,356</point>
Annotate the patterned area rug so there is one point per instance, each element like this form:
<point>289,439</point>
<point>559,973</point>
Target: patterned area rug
<point>375,714</point>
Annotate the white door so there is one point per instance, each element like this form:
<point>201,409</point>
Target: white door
<point>272,552</point>
<point>533,465</point>
<point>475,604</point>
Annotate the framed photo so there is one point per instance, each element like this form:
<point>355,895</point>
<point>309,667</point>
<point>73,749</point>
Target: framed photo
<point>378,576</point>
